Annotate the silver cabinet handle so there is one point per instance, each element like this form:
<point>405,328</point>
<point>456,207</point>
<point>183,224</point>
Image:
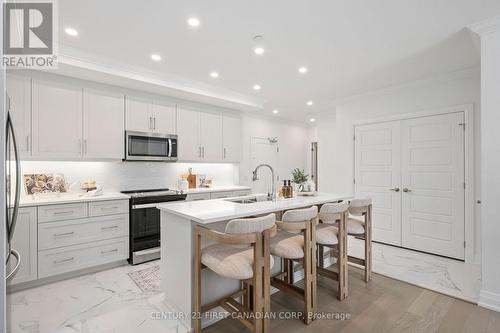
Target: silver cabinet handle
<point>64,234</point>
<point>80,146</point>
<point>109,251</point>
<point>203,150</point>
<point>27,142</point>
<point>224,155</point>
<point>150,123</point>
<point>199,152</point>
<point>395,189</point>
<point>60,261</point>
<point>109,208</point>
<point>85,146</point>
<point>65,212</point>
<point>406,190</point>
<point>154,123</point>
<point>109,228</point>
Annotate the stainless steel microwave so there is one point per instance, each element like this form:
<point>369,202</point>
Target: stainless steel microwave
<point>146,146</point>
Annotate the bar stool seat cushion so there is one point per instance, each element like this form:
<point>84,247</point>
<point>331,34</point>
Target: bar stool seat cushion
<point>326,234</point>
<point>231,261</point>
<point>355,226</point>
<point>287,245</point>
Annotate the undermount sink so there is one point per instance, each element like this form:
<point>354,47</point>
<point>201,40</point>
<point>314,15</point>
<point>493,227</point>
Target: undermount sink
<point>249,200</point>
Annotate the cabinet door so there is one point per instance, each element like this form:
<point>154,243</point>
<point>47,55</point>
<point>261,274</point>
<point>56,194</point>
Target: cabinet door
<point>188,130</point>
<point>57,120</point>
<point>103,124</point>
<point>138,114</point>
<point>164,120</point>
<point>25,242</point>
<point>231,138</point>
<point>19,91</point>
<point>211,136</point>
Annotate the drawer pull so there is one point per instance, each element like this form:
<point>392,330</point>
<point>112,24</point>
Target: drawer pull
<point>109,251</point>
<point>109,228</point>
<point>64,234</point>
<point>60,261</point>
<point>109,208</point>
<point>64,212</point>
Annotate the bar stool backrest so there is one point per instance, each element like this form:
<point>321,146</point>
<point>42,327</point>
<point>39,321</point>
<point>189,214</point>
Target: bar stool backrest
<point>300,215</point>
<point>250,225</point>
<point>359,206</point>
<point>331,212</point>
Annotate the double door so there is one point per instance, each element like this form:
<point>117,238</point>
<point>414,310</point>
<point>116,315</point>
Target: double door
<point>413,170</point>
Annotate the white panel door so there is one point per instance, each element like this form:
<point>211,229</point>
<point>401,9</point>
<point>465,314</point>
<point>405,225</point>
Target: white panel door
<point>164,119</point>
<point>433,184</point>
<point>25,242</point>
<point>103,124</point>
<point>19,91</point>
<point>378,175</point>
<point>211,136</point>
<point>138,114</point>
<point>231,138</point>
<point>57,120</point>
<point>188,131</point>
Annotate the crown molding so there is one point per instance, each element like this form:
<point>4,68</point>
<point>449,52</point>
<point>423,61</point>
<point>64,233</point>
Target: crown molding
<point>486,27</point>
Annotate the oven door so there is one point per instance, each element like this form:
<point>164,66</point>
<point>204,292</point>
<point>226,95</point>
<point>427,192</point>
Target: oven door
<point>144,227</point>
<point>142,146</point>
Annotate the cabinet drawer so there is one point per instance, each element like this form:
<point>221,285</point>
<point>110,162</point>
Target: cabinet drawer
<point>198,196</point>
<point>241,193</point>
<point>220,195</point>
<point>63,233</point>
<point>62,212</point>
<point>71,258</point>
<point>101,208</point>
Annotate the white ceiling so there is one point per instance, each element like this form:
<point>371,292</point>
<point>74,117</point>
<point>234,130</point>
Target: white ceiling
<point>349,46</point>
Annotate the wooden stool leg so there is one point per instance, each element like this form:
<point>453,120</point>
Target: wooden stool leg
<point>368,245</point>
<point>197,283</point>
<point>266,282</point>
<point>342,259</point>
<point>257,295</point>
<point>321,256</point>
<point>309,275</point>
<point>290,271</point>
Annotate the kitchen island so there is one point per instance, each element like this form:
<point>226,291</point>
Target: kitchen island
<point>177,238</point>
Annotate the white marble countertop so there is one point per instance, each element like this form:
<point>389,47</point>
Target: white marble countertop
<point>216,189</point>
<point>210,211</point>
<point>62,198</point>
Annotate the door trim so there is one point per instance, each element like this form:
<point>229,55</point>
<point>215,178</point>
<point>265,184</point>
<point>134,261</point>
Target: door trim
<point>469,204</point>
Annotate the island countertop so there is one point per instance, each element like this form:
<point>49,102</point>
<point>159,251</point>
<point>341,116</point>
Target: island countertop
<point>210,211</point>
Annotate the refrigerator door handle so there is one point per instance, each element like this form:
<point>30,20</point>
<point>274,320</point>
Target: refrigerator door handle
<point>16,254</point>
<point>12,224</point>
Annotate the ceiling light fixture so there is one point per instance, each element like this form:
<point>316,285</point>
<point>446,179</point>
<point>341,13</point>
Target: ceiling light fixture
<point>275,111</point>
<point>259,50</point>
<point>214,75</point>
<point>193,22</point>
<point>303,70</point>
<point>156,57</point>
<point>312,120</point>
<point>256,87</point>
<point>71,31</point>
<point>309,103</point>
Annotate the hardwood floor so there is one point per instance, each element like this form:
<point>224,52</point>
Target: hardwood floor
<point>384,305</point>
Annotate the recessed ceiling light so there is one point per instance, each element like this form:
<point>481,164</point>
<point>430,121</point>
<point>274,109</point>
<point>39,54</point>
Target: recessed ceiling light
<point>275,111</point>
<point>303,70</point>
<point>312,120</point>
<point>156,57</point>
<point>259,50</point>
<point>309,103</point>
<point>214,75</point>
<point>193,22</point>
<point>71,31</point>
<point>256,87</point>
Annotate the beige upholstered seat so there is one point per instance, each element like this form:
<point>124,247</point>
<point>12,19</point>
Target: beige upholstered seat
<point>332,208</point>
<point>360,202</point>
<point>230,261</point>
<point>327,234</point>
<point>355,223</point>
<point>355,226</point>
<point>287,245</point>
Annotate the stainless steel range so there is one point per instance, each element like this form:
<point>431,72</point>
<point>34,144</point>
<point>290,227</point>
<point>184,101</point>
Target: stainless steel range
<point>145,222</point>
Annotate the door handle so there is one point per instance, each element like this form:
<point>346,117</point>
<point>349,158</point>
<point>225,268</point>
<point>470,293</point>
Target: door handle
<point>406,190</point>
<point>395,189</point>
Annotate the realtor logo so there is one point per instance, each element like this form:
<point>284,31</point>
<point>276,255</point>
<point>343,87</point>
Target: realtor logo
<point>28,35</point>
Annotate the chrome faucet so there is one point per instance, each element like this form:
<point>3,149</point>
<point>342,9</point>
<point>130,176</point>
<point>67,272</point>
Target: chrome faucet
<point>271,196</point>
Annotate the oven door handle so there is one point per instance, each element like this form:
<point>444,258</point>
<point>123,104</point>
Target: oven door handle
<point>150,205</point>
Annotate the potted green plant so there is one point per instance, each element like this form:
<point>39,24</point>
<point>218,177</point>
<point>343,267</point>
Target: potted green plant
<point>299,178</point>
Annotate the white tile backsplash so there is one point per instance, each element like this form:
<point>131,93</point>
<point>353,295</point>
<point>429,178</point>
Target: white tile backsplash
<point>119,176</point>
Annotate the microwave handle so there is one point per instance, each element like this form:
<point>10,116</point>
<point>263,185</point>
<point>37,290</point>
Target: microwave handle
<point>169,147</point>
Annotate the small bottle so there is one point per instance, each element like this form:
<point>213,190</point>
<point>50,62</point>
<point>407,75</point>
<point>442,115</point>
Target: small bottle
<point>290,187</point>
<point>283,190</point>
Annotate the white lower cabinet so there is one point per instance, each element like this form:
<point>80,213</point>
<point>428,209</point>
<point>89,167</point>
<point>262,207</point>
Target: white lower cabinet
<point>25,242</point>
<point>198,196</point>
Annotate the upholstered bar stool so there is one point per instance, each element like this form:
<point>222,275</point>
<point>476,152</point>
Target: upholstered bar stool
<point>295,241</point>
<point>331,233</point>
<point>241,253</point>
<point>359,225</point>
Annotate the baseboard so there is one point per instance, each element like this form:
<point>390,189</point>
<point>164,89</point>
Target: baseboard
<point>489,300</point>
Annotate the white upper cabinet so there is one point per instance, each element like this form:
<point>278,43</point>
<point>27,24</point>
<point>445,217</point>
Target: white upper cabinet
<point>188,131</point>
<point>138,114</point>
<point>231,138</point>
<point>211,136</point>
<point>57,120</point>
<point>19,92</point>
<point>103,124</point>
<point>164,119</point>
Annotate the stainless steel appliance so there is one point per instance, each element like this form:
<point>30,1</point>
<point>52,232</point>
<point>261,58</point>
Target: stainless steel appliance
<point>145,222</point>
<point>12,183</point>
<point>146,146</point>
